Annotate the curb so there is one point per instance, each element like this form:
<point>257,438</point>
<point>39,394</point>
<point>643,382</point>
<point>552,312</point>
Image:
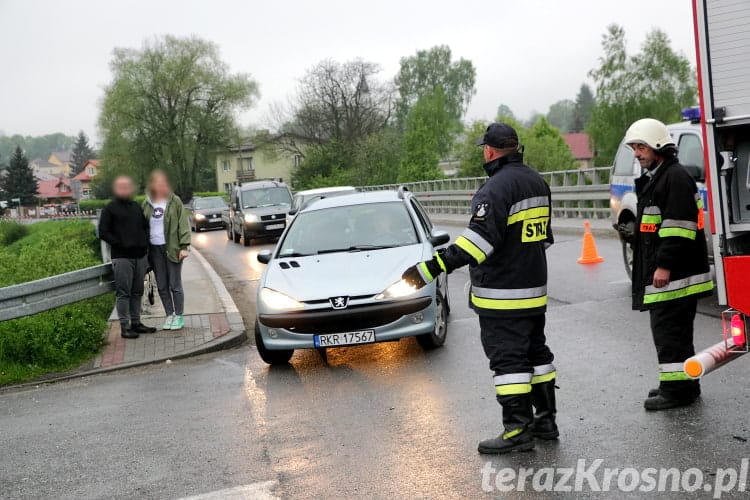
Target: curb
<point>236,336</point>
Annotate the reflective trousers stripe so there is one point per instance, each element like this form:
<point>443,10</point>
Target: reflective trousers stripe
<point>670,367</point>
<point>677,289</point>
<point>508,304</point>
<point>474,251</point>
<point>479,242</point>
<point>543,373</point>
<point>513,389</point>
<point>673,376</point>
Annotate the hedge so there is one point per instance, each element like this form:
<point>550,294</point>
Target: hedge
<point>64,337</point>
<point>11,231</point>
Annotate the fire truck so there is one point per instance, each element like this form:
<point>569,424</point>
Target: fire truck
<point>722,42</point>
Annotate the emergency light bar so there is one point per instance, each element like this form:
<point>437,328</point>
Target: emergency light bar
<point>692,114</point>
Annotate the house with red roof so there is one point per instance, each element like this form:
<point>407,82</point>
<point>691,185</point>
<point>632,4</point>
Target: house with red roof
<point>580,146</point>
<point>55,191</point>
<point>86,175</point>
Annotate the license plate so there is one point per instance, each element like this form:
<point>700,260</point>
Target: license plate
<point>347,338</point>
<point>271,227</point>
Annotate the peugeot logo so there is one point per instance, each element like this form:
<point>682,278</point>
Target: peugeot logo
<point>273,217</point>
<point>339,302</point>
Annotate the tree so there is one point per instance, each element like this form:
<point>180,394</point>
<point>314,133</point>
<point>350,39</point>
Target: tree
<point>82,152</point>
<point>422,74</point>
<point>582,113</point>
<point>534,117</point>
<point>335,102</point>
<point>545,149</point>
<point>655,83</point>
<point>171,105</point>
<point>19,180</point>
<point>468,154</point>
<point>35,147</point>
<point>561,115</point>
<point>426,127</point>
<point>504,112</point>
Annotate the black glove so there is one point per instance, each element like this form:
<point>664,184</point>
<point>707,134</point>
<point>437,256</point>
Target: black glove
<point>626,231</point>
<point>423,273</point>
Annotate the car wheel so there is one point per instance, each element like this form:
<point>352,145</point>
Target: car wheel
<point>192,228</point>
<point>436,338</point>
<point>246,240</point>
<point>627,256</point>
<point>235,236</point>
<point>272,357</point>
<point>229,231</point>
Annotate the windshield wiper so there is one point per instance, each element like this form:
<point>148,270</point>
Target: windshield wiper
<point>356,248</point>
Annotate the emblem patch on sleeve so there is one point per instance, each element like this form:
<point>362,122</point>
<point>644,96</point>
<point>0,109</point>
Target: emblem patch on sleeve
<point>480,211</point>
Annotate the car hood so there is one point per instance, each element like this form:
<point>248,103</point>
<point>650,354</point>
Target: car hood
<point>350,274</point>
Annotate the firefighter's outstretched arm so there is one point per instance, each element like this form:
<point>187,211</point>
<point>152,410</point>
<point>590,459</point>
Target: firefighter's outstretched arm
<point>474,246</point>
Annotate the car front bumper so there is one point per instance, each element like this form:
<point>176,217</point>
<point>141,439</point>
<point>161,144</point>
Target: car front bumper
<point>262,229</point>
<point>406,318</point>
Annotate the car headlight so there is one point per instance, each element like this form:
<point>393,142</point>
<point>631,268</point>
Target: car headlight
<point>278,301</point>
<point>397,290</point>
<point>251,218</point>
<point>200,217</point>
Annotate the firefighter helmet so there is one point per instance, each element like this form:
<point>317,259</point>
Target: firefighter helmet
<point>650,132</point>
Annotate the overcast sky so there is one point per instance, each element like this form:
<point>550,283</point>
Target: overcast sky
<point>54,54</point>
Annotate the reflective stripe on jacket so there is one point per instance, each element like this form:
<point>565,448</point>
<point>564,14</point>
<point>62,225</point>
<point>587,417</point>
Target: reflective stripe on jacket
<point>505,242</point>
<point>669,234</point>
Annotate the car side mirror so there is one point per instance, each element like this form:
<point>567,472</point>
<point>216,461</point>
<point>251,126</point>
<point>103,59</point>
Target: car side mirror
<point>438,238</point>
<point>264,256</point>
<point>695,172</point>
<point>293,211</point>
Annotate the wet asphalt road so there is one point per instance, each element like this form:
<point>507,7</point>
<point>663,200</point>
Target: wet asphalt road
<point>379,421</point>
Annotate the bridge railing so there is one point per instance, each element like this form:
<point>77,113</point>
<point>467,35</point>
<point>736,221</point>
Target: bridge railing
<point>580,193</point>
<point>45,294</point>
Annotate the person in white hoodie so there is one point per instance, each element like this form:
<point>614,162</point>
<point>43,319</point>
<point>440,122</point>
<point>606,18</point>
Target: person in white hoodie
<point>169,246</point>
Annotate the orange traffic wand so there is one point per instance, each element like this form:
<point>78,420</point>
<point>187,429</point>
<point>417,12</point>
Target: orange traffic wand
<point>589,253</point>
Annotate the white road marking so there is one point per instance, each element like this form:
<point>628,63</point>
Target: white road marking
<point>255,491</point>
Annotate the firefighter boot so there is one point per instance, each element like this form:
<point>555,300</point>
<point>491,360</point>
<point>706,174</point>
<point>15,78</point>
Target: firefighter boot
<point>673,395</point>
<point>543,398</point>
<point>518,415</point>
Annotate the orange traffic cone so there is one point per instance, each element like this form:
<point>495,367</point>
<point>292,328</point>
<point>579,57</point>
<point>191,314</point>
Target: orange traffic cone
<point>589,254</point>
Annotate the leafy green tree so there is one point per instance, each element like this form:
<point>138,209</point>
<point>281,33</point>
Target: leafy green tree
<point>561,115</point>
<point>657,83</point>
<point>545,149</point>
<point>171,105</point>
<point>426,128</point>
<point>584,104</point>
<point>422,74</point>
<point>82,152</point>
<point>35,146</point>
<point>504,112</point>
<point>19,180</point>
<point>468,154</point>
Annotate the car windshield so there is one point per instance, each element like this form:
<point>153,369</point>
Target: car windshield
<point>206,203</point>
<point>349,228</point>
<point>266,197</point>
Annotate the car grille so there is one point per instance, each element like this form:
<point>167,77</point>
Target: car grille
<point>272,217</point>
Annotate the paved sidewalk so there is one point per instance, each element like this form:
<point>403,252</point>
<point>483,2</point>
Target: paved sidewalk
<point>212,322</point>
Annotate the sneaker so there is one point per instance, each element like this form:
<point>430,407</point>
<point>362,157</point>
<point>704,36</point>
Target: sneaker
<point>178,322</point>
<point>168,322</point>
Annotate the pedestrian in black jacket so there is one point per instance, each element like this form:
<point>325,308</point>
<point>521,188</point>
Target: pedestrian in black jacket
<point>670,259</point>
<point>124,227</point>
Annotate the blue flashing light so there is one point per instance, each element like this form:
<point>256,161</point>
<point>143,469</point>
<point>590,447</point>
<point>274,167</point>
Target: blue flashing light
<point>693,114</point>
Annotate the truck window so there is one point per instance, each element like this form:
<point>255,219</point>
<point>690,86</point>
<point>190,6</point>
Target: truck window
<point>691,151</point>
<point>624,161</point>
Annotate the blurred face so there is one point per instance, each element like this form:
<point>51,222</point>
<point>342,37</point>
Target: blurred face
<point>159,187</point>
<point>122,187</point>
<point>645,155</point>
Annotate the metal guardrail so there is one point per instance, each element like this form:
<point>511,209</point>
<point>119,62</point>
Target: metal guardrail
<point>581,193</point>
<point>41,295</point>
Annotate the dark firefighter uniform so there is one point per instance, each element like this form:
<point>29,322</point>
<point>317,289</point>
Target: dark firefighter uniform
<point>504,245</point>
<point>669,234</point>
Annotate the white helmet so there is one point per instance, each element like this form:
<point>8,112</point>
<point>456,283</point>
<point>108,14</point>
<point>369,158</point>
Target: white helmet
<point>650,132</point>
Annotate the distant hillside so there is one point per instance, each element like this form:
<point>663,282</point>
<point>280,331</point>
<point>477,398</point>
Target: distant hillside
<point>35,147</point>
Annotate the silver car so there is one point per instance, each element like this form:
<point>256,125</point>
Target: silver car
<point>334,278</point>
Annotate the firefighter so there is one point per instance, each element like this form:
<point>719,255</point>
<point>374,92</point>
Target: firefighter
<point>670,259</point>
<point>504,245</point>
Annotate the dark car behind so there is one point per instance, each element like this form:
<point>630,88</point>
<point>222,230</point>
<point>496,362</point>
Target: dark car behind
<point>205,212</point>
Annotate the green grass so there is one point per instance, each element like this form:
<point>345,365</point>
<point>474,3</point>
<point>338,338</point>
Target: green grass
<point>63,338</point>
